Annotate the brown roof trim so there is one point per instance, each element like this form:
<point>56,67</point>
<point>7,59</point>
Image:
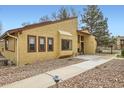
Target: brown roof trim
<point>84,32</point>
<point>37,25</point>
<point>33,26</point>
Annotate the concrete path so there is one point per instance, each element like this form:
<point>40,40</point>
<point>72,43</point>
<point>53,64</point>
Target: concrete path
<point>46,79</point>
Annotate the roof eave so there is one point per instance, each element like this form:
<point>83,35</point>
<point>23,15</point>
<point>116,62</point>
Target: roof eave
<point>29,26</point>
<point>83,32</point>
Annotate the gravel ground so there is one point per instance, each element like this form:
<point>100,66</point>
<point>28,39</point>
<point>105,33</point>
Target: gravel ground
<point>108,75</point>
<point>11,74</point>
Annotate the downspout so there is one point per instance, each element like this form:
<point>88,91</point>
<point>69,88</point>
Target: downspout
<point>16,48</point>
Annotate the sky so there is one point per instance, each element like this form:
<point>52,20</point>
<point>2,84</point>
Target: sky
<point>13,16</point>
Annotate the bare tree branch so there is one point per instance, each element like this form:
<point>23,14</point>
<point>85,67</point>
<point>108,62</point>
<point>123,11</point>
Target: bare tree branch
<point>44,19</point>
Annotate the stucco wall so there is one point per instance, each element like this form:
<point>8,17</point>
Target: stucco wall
<point>1,45</point>
<point>11,53</point>
<point>47,31</point>
<point>51,30</point>
<point>90,45</point>
<point>118,43</point>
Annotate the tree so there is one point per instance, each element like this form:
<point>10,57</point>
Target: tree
<point>44,19</point>
<point>64,13</point>
<point>54,16</point>
<point>73,12</point>
<point>96,23</point>
<point>112,42</point>
<point>26,23</point>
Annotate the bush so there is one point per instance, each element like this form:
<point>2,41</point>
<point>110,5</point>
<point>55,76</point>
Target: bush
<point>122,52</point>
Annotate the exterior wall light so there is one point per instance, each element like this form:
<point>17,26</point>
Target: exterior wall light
<point>56,80</point>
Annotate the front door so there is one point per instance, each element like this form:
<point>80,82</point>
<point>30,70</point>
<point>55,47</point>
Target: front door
<point>82,47</point>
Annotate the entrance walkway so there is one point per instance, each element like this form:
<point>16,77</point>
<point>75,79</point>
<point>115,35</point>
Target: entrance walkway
<point>46,79</point>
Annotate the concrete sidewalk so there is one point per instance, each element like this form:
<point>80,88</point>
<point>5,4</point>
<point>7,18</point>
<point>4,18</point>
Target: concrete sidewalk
<point>45,80</point>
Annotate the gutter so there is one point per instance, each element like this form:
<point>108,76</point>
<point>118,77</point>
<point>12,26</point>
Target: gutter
<point>16,48</point>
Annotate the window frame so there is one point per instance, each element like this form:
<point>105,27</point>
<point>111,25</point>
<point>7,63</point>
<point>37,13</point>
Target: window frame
<point>122,42</point>
<point>28,45</point>
<point>48,44</point>
<point>39,49</point>
<point>62,44</point>
<point>7,47</point>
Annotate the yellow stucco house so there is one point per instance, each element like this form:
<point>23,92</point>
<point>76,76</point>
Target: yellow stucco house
<point>120,42</point>
<point>46,40</point>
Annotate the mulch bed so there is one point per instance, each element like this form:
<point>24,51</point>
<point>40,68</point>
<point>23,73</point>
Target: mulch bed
<point>108,75</point>
<point>9,74</point>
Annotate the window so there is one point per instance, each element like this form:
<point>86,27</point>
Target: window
<point>122,42</point>
<point>66,44</point>
<point>42,42</point>
<point>10,44</point>
<point>31,43</point>
<point>6,44</point>
<point>50,44</point>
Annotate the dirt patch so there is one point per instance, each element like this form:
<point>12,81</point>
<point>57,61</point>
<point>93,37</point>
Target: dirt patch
<point>108,75</point>
<point>11,73</point>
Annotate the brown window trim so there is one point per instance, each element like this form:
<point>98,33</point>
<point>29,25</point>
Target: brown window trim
<point>8,44</point>
<point>11,50</point>
<point>39,44</point>
<point>66,49</point>
<point>48,44</point>
<point>28,43</point>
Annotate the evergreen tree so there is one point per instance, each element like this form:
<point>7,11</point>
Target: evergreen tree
<point>95,22</point>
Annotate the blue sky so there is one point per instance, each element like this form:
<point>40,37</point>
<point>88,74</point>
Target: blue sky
<point>13,16</point>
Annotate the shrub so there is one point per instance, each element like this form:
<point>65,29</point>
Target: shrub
<point>122,52</point>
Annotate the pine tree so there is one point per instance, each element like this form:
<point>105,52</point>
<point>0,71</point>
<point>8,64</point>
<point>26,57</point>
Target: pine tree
<point>96,23</point>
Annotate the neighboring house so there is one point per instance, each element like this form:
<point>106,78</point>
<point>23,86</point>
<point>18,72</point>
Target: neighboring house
<point>120,42</point>
<point>47,40</point>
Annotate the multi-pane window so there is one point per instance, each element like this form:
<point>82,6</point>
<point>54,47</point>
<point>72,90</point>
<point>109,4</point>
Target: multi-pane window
<point>50,44</point>
<point>42,44</point>
<point>31,43</point>
<point>66,44</point>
